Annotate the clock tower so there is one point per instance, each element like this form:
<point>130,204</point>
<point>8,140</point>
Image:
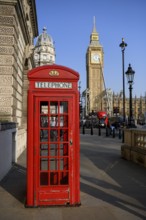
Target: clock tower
<point>94,69</point>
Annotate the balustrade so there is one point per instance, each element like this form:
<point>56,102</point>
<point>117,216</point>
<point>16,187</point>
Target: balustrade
<point>134,147</point>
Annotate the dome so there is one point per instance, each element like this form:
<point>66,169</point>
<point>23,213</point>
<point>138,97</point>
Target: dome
<point>44,39</point>
<point>44,50</point>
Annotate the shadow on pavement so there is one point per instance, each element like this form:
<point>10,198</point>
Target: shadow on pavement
<point>111,199</point>
<point>15,182</point>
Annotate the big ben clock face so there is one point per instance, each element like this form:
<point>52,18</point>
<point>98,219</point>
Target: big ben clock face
<point>95,57</point>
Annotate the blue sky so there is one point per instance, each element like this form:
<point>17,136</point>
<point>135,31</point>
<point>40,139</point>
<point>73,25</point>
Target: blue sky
<point>70,24</point>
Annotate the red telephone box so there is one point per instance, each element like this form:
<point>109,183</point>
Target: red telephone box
<point>53,137</point>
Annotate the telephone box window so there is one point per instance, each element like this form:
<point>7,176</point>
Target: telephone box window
<point>54,164</point>
<point>63,135</point>
<point>54,143</point>
<point>53,107</point>
<point>43,135</point>
<point>53,135</point>
<point>63,121</point>
<point>44,179</point>
<point>44,164</point>
<point>44,121</point>
<point>64,178</point>
<point>44,107</point>
<point>44,150</point>
<point>63,107</point>
<point>54,178</point>
<point>53,149</point>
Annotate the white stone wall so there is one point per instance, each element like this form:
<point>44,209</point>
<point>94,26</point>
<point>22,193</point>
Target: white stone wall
<point>7,150</point>
<point>20,142</point>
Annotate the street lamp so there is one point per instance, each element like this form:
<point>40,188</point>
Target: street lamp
<point>123,45</point>
<point>130,77</point>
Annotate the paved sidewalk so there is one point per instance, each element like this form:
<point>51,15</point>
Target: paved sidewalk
<point>111,188</point>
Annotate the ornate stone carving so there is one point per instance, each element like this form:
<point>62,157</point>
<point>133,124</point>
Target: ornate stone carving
<point>5,90</point>
<point>7,10</point>
<point>7,20</point>
<point>5,80</point>
<point>6,30</point>
<point>5,101</point>
<point>6,50</point>
<point>6,60</point>
<point>6,70</point>
<point>6,40</point>
<point>5,110</point>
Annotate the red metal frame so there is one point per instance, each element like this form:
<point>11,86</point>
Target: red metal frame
<point>53,161</point>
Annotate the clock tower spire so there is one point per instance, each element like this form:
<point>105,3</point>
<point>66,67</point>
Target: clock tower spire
<point>94,69</point>
<point>94,37</point>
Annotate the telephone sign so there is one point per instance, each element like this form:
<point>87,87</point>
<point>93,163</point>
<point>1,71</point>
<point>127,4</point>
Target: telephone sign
<point>53,137</point>
<point>54,85</point>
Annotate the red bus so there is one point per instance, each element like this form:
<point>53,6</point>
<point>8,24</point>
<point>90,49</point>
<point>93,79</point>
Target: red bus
<point>103,118</point>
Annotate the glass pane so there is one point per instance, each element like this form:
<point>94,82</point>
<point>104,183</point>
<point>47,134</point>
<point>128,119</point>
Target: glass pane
<point>65,163</point>
<point>64,178</point>
<point>65,149</point>
<point>54,180</point>
<point>61,150</point>
<point>63,107</point>
<point>53,164</point>
<point>61,121</point>
<point>44,179</point>
<point>53,121</point>
<point>53,149</point>
<point>61,163</point>
<point>43,164</point>
<point>53,135</point>
<point>63,135</point>
<point>43,150</point>
<point>43,107</point>
<point>64,121</point>
<point>44,121</point>
<point>43,135</point>
<point>53,107</point>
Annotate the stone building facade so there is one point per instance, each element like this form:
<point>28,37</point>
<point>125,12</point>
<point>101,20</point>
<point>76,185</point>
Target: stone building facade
<point>112,101</point>
<point>18,27</point>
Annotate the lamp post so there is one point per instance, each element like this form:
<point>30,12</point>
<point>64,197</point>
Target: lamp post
<point>130,77</point>
<point>123,45</point>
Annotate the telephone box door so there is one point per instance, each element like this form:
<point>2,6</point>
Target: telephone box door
<point>52,154</point>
